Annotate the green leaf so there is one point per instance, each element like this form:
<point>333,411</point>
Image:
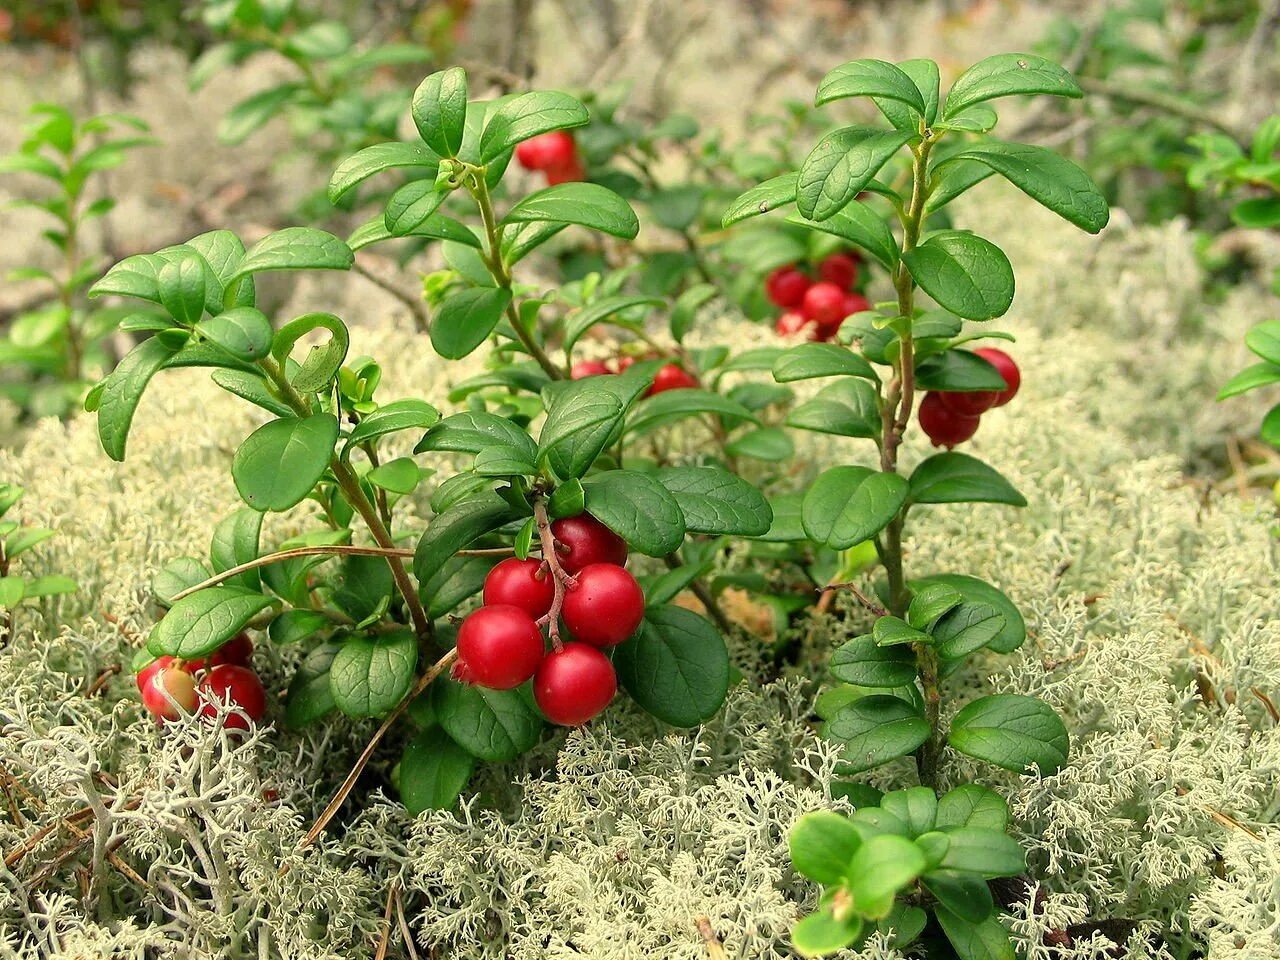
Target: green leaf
<point>715,501</point>
<point>24,539</point>
<point>123,389</point>
<point>1264,340</point>
<point>580,422</point>
<point>949,180</point>
<point>375,159</point>
<point>453,530</point>
<point>176,576</point>
<point>982,941</point>
<point>877,729</point>
<point>881,867</point>
<point>686,308</point>
<point>400,476</point>
<point>244,332</point>
<point>638,508</point>
<point>771,444</point>
<point>407,414</point>
<point>12,590</point>
<point>976,119</point>
<point>323,360</point>
<point>1250,378</point>
<point>822,845</point>
<point>958,371</point>
<point>433,772</point>
<point>251,387</point>
<point>847,505</point>
<point>988,853</point>
<point>411,206</point>
<point>675,666</point>
<point>200,623</point>
<point>811,360</point>
<point>294,626</point>
<point>586,204</point>
<point>915,806</point>
<point>309,697</point>
<point>972,805</point>
<point>841,166</point>
<point>846,408</point>
<point>180,284</point>
<point>493,725</point>
<point>903,925</point>
<point>580,321</point>
<point>435,227</point>
<point>821,933</point>
<point>861,226</point>
<point>896,632</point>
<point>1013,732</point>
<point>466,318</point>
<point>671,405</point>
<point>924,74</point>
<point>1047,177</point>
<point>862,661</point>
<point>959,478</point>
<point>762,198</point>
<point>235,541</point>
<point>930,602</point>
<point>1008,74</point>
<point>439,110</point>
<point>323,40</point>
<point>254,112</point>
<point>279,463</point>
<point>52,584</point>
<point>1014,632</point>
<point>469,432</point>
<point>526,116</point>
<point>966,628</point>
<point>964,273</point>
<point>458,579</point>
<point>964,894</point>
<point>369,676</point>
<point>296,248</point>
<point>1269,430</point>
<point>869,78</point>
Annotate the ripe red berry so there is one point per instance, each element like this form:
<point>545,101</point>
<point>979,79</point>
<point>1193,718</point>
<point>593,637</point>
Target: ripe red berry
<point>520,583</point>
<point>671,377</point>
<point>840,269</point>
<point>586,541</point>
<point>547,151</point>
<point>605,606</point>
<point>824,303</point>
<point>587,368</point>
<point>238,650</point>
<point>792,323</point>
<point>943,425</point>
<point>570,172</point>
<point>855,303</point>
<point>1007,369</point>
<point>969,403</point>
<point>786,286</point>
<point>238,686</point>
<point>168,691</point>
<point>499,647</point>
<point>574,684</point>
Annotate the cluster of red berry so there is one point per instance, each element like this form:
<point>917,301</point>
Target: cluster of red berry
<point>816,307</point>
<point>169,686</point>
<point>950,417</point>
<point>670,376</point>
<point>555,154</point>
<point>500,646</point>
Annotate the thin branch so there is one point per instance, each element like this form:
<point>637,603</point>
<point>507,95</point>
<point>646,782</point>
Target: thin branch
<point>862,598</point>
<point>1165,102</point>
<point>405,932</point>
<point>560,579</point>
<point>416,307</point>
<point>384,941</point>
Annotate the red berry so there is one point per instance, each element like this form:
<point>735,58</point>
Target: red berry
<point>943,425</point>
<point>547,151</point>
<point>569,173</point>
<point>791,323</point>
<point>1007,369</point>
<point>587,541</point>
<point>574,684</point>
<point>587,368</point>
<point>520,583</point>
<point>168,691</point>
<point>840,269</point>
<point>969,403</point>
<point>824,303</point>
<point>605,606</point>
<point>786,286</point>
<point>238,686</point>
<point>499,647</point>
<point>855,303</point>
<point>671,377</point>
<point>237,650</point>
<point>625,362</point>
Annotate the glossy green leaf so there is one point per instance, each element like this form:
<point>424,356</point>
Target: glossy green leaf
<point>959,478</point>
<point>602,310</point>
<point>243,332</point>
<point>881,867</point>
<point>580,423</point>
<point>964,894</point>
<point>296,248</point>
<point>586,204</point>
<point>841,166</point>
<point>672,405</point>
<point>964,273</point>
<point>433,772</point>
<point>463,321</point>
<point>861,226</point>
<point>862,661</point>
<point>1008,74</point>
<point>375,159</point>
<point>1011,731</point>
<point>235,541</point>
<point>1014,632</point>
<point>1250,378</point>
<point>439,110</point>
<point>369,676</point>
<point>122,390</point>
<point>675,666</point>
<point>847,505</point>
<point>200,623</point>
<point>915,806</point>
<point>767,196</point>
<point>966,628</point>
<point>877,729</point>
<point>455,529</point>
<point>930,602</point>
<point>811,360</point>
<point>821,933</point>
<point>846,408</point>
<point>715,501</point>
<point>822,845</point>
<point>526,116</point>
<point>972,805</point>
<point>493,725</point>
<point>638,508</point>
<point>988,940</point>
<point>411,206</point>
<point>869,78</point>
<point>279,463</point>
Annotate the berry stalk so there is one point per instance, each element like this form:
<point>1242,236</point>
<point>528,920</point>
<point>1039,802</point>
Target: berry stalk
<point>561,580</point>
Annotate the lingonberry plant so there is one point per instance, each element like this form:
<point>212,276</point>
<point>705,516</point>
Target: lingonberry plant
<point>908,854</point>
<point>15,540</point>
<point>53,349</point>
<point>543,527</point>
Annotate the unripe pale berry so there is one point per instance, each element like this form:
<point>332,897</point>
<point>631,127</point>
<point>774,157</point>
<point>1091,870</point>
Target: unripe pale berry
<point>238,686</point>
<point>786,287</point>
<point>585,541</point>
<point>168,691</point>
<point>1007,369</point>
<point>499,647</point>
<point>574,684</point>
<point>671,377</point>
<point>792,323</point>
<point>840,269</point>
<point>520,583</point>
<point>605,606</point>
<point>942,425</point>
